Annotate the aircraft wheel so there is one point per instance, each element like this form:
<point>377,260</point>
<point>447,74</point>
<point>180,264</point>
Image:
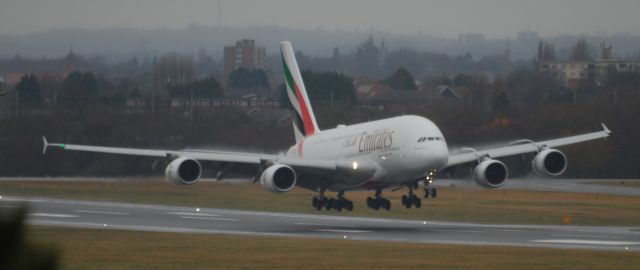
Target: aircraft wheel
<point>339,204</point>
<point>387,204</point>
<point>349,205</point>
<point>434,193</point>
<point>333,204</point>
<point>375,204</point>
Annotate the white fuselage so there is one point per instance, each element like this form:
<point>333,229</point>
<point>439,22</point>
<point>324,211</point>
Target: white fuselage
<point>403,149</point>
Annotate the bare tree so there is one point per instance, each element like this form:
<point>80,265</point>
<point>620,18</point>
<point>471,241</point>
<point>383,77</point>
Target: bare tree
<point>546,51</point>
<point>579,52</point>
<point>173,69</point>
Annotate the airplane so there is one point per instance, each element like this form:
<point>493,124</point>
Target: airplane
<point>389,154</point>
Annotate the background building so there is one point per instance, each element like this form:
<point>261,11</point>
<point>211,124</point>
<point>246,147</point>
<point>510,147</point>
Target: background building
<point>572,72</point>
<point>244,54</point>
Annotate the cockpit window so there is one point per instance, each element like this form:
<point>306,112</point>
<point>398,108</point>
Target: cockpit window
<point>431,139</point>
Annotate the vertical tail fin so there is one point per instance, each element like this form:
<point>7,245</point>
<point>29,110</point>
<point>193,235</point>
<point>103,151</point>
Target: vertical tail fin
<point>304,121</point>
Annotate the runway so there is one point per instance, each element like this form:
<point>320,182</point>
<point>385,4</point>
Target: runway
<point>140,217</point>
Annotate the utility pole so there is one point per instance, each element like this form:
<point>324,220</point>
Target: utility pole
<point>219,22</point>
<point>154,89</point>
<point>331,98</point>
<point>55,101</point>
<point>17,104</point>
<point>153,103</point>
<point>191,103</point>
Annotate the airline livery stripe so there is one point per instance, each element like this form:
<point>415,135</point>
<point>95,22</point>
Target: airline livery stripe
<point>288,77</point>
<point>304,111</point>
<point>306,117</point>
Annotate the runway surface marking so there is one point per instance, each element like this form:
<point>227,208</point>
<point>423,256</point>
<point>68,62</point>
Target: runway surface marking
<point>585,242</point>
<point>311,216</point>
<point>22,200</point>
<point>168,229</point>
<point>145,217</point>
<point>209,218</point>
<point>67,223</point>
<point>595,236</point>
<point>322,225</point>
<point>192,214</point>
<point>453,230</point>
<point>342,231</point>
<point>101,212</point>
<point>52,215</point>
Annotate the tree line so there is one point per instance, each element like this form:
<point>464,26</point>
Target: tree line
<point>521,104</point>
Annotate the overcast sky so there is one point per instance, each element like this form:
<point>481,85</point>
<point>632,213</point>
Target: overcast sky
<point>495,18</point>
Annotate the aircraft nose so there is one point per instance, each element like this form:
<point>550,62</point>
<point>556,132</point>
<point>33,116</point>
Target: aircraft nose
<point>442,154</point>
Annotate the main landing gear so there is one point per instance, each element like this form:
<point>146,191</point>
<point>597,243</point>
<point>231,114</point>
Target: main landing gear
<point>378,202</point>
<point>411,199</point>
<point>337,204</point>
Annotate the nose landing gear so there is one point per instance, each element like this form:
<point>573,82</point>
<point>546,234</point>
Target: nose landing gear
<point>429,191</point>
<point>411,199</point>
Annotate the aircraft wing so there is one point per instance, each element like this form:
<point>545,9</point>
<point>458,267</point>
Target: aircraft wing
<point>202,155</point>
<point>522,147</point>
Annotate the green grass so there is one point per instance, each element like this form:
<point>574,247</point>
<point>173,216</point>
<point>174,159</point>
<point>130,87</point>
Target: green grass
<point>113,249</point>
<point>452,204</point>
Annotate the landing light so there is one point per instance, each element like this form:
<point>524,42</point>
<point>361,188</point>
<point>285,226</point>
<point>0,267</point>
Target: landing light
<point>355,165</point>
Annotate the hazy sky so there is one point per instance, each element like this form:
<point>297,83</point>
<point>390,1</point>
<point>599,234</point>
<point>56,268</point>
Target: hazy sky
<point>495,18</point>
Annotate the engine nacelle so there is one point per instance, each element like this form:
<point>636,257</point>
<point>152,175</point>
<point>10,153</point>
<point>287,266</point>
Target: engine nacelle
<point>183,170</point>
<point>549,162</point>
<point>490,173</point>
<point>278,178</point>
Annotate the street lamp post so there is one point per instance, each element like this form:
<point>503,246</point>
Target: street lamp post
<point>191,109</point>
<point>17,104</point>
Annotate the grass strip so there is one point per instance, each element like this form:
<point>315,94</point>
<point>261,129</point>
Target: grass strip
<point>114,249</point>
<point>452,204</point>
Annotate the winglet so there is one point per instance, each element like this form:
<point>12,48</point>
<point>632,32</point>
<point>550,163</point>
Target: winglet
<point>606,129</point>
<point>45,145</point>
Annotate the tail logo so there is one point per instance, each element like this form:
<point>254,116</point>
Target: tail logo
<point>304,122</point>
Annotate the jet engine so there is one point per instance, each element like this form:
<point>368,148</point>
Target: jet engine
<point>549,162</point>
<point>183,170</point>
<point>490,173</point>
<point>278,178</point>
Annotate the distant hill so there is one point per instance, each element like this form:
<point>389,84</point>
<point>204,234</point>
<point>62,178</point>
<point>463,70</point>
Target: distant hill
<point>119,43</point>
